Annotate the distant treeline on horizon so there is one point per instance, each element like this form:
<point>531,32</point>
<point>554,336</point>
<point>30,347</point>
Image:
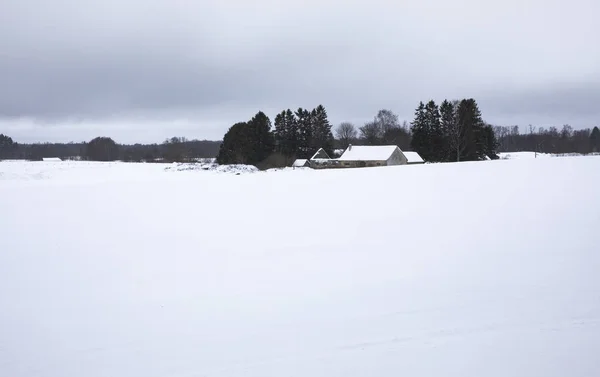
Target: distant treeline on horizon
<point>180,149</point>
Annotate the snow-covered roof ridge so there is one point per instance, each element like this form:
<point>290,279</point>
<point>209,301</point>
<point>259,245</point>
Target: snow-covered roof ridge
<point>321,155</point>
<point>368,152</point>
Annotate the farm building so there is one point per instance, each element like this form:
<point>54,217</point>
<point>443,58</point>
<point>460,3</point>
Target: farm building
<point>321,160</point>
<point>377,155</point>
<point>413,158</point>
<point>51,159</point>
<point>300,163</point>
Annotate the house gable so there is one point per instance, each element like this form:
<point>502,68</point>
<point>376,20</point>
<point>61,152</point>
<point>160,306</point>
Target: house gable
<point>321,155</point>
<point>397,158</point>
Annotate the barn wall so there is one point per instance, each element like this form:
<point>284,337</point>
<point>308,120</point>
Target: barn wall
<point>397,158</point>
<point>324,164</point>
<point>362,164</point>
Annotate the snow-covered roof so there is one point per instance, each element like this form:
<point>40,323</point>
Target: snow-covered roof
<point>368,152</point>
<point>413,157</point>
<point>299,163</point>
<point>321,154</point>
<point>51,159</point>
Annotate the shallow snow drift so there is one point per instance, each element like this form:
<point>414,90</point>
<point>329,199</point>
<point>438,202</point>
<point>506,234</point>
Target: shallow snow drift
<point>469,269</point>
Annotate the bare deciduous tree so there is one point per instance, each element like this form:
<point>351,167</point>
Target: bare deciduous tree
<point>346,132</point>
<point>371,133</point>
<point>386,120</point>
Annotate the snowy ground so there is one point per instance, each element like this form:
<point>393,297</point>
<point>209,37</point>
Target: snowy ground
<point>522,155</point>
<point>470,269</point>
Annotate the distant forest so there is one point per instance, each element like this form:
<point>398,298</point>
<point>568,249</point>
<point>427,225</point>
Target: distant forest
<point>105,149</point>
<point>452,131</point>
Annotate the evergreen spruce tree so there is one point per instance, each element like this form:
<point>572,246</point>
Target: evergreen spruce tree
<point>436,136</point>
<point>247,142</point>
<point>286,133</point>
<point>279,133</point>
<point>261,141</point>
<point>490,143</point>
<point>233,149</point>
<point>447,122</point>
<point>314,133</point>
<point>420,133</point>
<point>304,119</point>
<point>322,137</point>
<point>291,135</point>
<point>471,125</point>
<point>595,140</point>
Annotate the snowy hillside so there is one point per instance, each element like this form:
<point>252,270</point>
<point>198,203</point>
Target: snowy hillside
<point>470,269</point>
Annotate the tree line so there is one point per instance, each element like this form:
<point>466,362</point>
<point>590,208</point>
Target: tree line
<point>548,140</point>
<point>453,131</point>
<point>175,149</point>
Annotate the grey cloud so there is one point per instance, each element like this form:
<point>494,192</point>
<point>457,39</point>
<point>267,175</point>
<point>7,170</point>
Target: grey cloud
<point>550,105</point>
<point>200,66</point>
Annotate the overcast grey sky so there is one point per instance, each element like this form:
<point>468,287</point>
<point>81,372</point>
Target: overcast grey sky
<point>144,70</point>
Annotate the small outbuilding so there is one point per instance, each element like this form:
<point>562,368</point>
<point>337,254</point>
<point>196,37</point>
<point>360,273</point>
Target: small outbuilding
<point>413,158</point>
<point>51,159</point>
<point>300,163</point>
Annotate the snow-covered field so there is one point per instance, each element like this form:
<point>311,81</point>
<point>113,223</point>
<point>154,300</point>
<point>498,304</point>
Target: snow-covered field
<point>522,155</point>
<point>471,269</point>
<point>527,155</point>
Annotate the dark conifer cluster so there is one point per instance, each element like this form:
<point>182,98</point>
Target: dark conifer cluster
<point>296,134</point>
<point>454,131</point>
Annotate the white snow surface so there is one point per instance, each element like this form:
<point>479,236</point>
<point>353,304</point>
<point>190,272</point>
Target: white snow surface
<point>467,269</point>
<point>212,166</point>
<point>521,155</point>
<point>413,157</point>
<point>368,153</point>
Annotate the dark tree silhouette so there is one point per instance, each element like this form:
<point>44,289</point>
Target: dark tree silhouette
<point>102,149</point>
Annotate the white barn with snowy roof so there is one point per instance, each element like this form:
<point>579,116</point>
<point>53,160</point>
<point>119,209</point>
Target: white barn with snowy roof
<point>377,155</point>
